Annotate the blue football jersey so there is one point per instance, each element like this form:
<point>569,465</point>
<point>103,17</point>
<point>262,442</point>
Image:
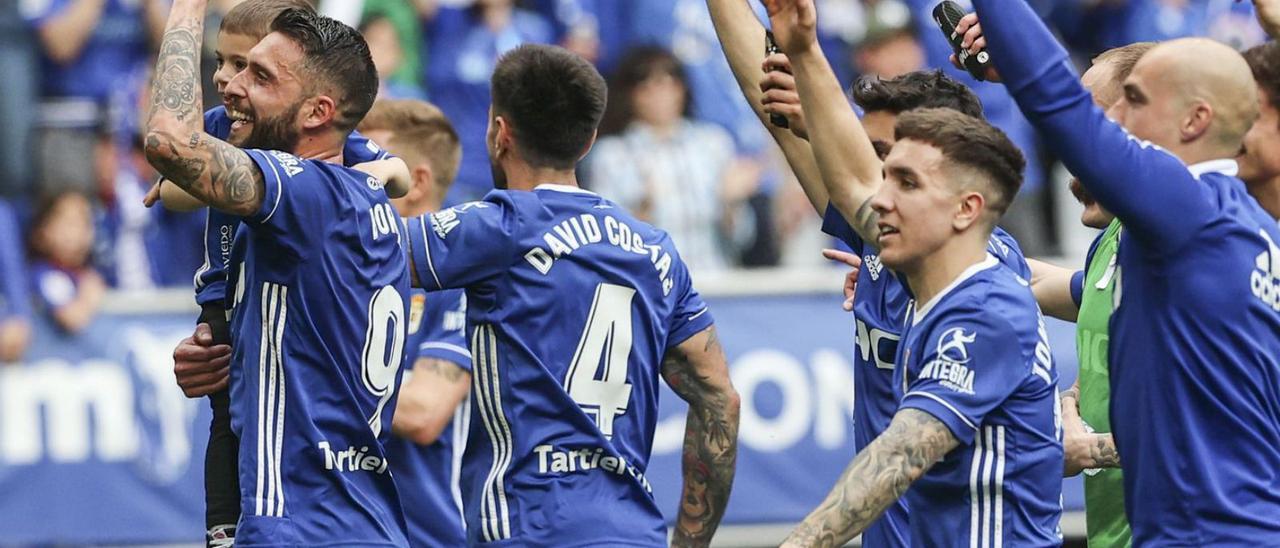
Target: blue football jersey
<point>428,476</point>
<point>319,322</point>
<point>977,358</point>
<point>571,305</point>
<point>1195,335</point>
<point>220,228</point>
<point>879,311</point>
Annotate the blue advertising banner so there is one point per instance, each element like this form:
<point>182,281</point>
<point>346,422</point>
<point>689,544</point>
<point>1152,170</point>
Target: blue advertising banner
<point>97,444</point>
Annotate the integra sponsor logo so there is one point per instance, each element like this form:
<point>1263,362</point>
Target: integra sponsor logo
<point>950,368</point>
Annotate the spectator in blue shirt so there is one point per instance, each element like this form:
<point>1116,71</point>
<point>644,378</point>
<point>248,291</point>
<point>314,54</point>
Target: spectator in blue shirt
<point>66,286</point>
<point>87,48</point>
<point>465,44</point>
<point>15,302</point>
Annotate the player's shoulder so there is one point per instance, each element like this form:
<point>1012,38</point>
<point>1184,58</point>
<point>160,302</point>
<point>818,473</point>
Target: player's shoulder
<point>988,291</point>
<point>1005,248</point>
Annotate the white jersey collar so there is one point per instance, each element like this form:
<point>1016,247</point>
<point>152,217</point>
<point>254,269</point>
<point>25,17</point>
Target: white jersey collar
<point>924,309</point>
<point>564,188</point>
<point>1226,167</point>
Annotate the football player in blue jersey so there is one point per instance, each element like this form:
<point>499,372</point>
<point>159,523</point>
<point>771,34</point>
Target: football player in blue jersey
<point>881,301</point>
<point>312,413</point>
<point>241,28</point>
<point>1193,333</point>
<point>574,308</point>
<point>433,412</point>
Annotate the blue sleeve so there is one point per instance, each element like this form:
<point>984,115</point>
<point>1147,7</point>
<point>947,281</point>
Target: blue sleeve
<point>217,123</point>
<point>1006,249</point>
<point>465,244</point>
<point>16,299</point>
<point>360,149</point>
<point>1077,287</point>
<point>691,314</point>
<point>292,195</point>
<point>211,278</point>
<point>834,224</point>
<point>444,326</point>
<point>973,361</point>
<point>1152,192</point>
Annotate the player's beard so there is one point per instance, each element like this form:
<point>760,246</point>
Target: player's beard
<point>275,133</point>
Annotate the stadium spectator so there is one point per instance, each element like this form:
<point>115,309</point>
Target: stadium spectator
<point>60,242</point>
<point>682,175</point>
<point>1260,163</point>
<point>465,43</point>
<point>575,25</point>
<point>405,16</point>
<point>15,299</point>
<point>888,48</point>
<point>388,56</point>
<point>87,47</point>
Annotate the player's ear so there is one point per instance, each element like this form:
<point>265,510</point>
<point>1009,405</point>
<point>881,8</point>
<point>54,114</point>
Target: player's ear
<point>318,111</point>
<point>423,180</point>
<point>969,210</point>
<point>1196,122</point>
<point>504,137</point>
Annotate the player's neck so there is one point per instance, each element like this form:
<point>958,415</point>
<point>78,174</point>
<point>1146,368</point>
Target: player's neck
<point>937,271</point>
<point>525,177</point>
<point>319,148</point>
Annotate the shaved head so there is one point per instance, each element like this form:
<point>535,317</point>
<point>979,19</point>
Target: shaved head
<point>1210,89</point>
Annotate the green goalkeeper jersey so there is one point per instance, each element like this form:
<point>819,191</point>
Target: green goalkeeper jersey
<point>1103,489</point>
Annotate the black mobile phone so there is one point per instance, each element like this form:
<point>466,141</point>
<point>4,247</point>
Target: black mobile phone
<point>770,48</point>
<point>947,15</point>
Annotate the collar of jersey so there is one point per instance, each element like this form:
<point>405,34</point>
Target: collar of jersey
<point>1224,166</point>
<point>924,309</point>
<point>563,188</point>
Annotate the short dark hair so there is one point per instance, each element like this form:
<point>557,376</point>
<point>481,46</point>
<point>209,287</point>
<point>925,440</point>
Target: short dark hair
<point>913,90</point>
<point>254,17</point>
<point>972,143</point>
<point>553,100</point>
<point>1125,58</point>
<point>335,55</point>
<point>1264,61</point>
<point>420,132</point>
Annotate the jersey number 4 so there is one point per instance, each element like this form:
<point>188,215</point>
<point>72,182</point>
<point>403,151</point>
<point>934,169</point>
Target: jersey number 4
<point>597,377</point>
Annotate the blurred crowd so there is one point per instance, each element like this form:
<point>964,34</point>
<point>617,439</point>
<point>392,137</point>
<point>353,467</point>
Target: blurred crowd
<point>679,147</point>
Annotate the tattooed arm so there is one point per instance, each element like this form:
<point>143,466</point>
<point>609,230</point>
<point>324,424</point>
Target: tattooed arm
<point>850,167</point>
<point>698,372</point>
<point>1082,449</point>
<point>429,398</point>
<point>881,473</point>
<point>209,169</point>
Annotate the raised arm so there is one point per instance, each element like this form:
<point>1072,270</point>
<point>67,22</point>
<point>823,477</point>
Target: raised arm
<point>207,168</point>
<point>881,473</point>
<point>1148,189</point>
<point>850,168</point>
<point>697,371</point>
<point>742,39</point>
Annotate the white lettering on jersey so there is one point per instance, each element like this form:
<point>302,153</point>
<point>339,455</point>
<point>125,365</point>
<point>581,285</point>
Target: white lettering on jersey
<point>576,232</point>
<point>1265,278</point>
<point>384,221</point>
<point>290,163</point>
<point>442,222</point>
<point>950,368</point>
<point>868,341</point>
<point>873,266</point>
<point>1044,356</point>
<point>568,461</point>
<point>352,460</point>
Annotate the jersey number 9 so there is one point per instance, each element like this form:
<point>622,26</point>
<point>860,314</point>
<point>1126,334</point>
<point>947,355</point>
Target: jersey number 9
<point>382,360</point>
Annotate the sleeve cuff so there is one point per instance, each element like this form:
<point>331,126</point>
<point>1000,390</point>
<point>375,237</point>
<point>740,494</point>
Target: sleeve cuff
<point>834,224</point>
<point>1077,287</point>
<point>696,323</point>
<point>272,184</point>
<point>961,427</point>
<point>448,352</point>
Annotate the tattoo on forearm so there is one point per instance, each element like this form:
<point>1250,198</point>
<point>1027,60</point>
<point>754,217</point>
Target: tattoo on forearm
<point>1103,452</point>
<point>176,88</point>
<point>444,368</point>
<point>865,221</point>
<point>881,473</point>
<point>710,446</point>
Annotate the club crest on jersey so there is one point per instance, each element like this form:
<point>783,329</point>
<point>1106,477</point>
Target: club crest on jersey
<point>290,163</point>
<point>873,266</point>
<point>950,368</point>
<point>1265,278</point>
